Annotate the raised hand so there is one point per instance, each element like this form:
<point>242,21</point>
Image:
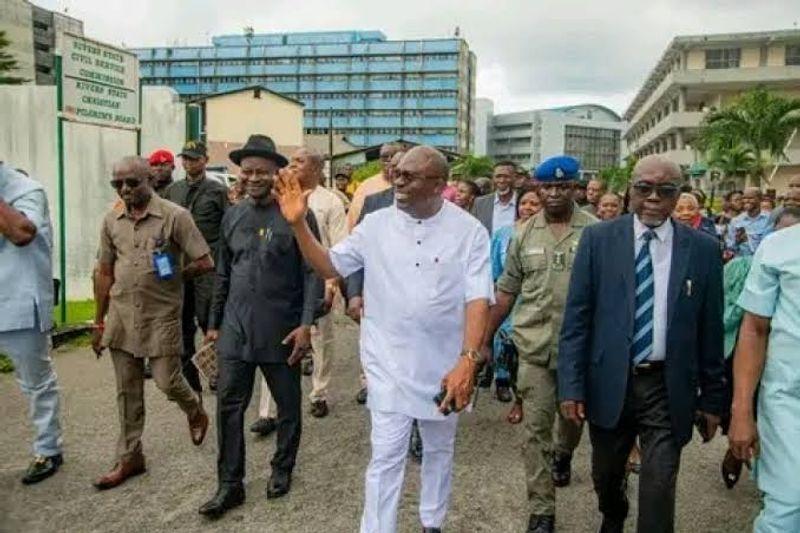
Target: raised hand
<point>291,197</point>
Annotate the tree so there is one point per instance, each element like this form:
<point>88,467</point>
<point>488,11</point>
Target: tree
<point>8,63</point>
<point>366,170</point>
<point>732,162</point>
<point>616,179</point>
<point>759,120</point>
<point>472,166</point>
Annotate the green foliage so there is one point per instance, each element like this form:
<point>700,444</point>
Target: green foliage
<point>8,63</point>
<point>616,179</point>
<point>366,170</point>
<point>6,366</point>
<point>472,166</point>
<point>758,120</point>
<point>733,161</point>
<point>77,312</point>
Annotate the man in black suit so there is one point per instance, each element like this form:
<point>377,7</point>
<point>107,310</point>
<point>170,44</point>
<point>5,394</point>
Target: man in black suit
<point>641,345</point>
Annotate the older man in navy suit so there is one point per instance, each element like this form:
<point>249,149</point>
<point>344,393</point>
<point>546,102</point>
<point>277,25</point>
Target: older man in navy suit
<point>641,345</point>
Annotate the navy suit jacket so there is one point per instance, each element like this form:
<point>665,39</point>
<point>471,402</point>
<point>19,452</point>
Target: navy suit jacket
<point>594,353</point>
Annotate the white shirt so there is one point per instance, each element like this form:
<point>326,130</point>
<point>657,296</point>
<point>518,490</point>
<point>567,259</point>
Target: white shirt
<point>329,212</point>
<point>661,257</point>
<point>419,274</point>
<point>503,214</point>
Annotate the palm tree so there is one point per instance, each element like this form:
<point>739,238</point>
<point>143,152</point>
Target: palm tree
<point>8,63</point>
<point>732,162</point>
<point>759,120</point>
<point>472,166</point>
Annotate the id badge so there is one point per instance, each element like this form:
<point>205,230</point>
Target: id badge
<point>163,265</point>
<point>559,261</point>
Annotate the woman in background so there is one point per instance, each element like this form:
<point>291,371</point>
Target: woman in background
<point>609,207</point>
<point>687,211</point>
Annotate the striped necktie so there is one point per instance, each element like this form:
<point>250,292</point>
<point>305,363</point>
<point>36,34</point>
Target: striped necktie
<point>642,347</point>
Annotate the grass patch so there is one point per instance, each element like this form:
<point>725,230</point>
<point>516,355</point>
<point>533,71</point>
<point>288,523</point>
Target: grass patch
<point>6,366</point>
<point>78,312</point>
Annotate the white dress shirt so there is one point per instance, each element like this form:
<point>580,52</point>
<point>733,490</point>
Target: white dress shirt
<point>503,214</point>
<point>418,276</point>
<point>661,256</point>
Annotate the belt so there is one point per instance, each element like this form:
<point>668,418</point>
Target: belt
<point>648,367</point>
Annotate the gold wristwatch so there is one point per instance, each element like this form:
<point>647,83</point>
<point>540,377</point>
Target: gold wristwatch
<point>473,355</point>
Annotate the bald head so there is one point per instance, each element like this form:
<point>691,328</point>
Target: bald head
<point>794,182</point>
<point>431,159</point>
<point>419,181</point>
<point>308,163</point>
<point>130,166</point>
<point>653,164</point>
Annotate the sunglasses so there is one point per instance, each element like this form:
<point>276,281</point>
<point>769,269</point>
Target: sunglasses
<point>132,183</point>
<point>666,190</point>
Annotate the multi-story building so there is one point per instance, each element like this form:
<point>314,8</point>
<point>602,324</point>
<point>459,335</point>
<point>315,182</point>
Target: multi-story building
<point>484,110</point>
<point>33,32</point>
<point>701,73</point>
<point>589,132</point>
<point>372,89</point>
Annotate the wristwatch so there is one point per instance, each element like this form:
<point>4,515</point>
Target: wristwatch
<point>473,355</point>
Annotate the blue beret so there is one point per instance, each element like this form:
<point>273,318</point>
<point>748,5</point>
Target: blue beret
<point>558,168</point>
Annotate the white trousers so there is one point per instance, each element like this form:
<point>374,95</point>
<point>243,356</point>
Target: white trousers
<point>386,469</point>
<point>322,355</point>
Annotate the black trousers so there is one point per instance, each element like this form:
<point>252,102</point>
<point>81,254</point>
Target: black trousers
<point>197,294</point>
<point>646,414</point>
<point>234,389</point>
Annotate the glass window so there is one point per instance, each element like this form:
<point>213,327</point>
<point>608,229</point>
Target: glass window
<point>723,58</point>
<point>793,54</point>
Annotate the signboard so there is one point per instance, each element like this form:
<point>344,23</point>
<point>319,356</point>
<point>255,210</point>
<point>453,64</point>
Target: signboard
<point>100,83</point>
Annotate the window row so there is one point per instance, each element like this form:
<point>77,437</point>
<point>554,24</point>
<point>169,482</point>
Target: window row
<point>308,60</point>
<point>383,131</point>
<point>311,113</point>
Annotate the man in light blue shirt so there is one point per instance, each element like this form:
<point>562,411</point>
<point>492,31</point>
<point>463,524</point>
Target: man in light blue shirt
<point>26,309</point>
<point>768,356</point>
<point>746,231</point>
<point>498,209</point>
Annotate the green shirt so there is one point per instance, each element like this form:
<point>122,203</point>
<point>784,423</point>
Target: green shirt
<point>537,272</point>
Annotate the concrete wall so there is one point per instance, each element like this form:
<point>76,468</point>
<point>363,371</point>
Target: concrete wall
<point>16,20</point>
<point>484,109</point>
<point>696,59</point>
<point>776,55</point>
<point>28,141</point>
<point>234,117</point>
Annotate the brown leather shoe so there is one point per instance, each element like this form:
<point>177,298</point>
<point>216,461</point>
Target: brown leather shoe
<point>121,472</point>
<point>198,425</point>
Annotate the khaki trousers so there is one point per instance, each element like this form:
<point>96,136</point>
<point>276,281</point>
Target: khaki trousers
<point>538,388</point>
<point>322,355</point>
<point>129,372</point>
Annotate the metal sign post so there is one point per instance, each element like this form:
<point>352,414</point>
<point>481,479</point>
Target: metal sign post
<point>62,226</point>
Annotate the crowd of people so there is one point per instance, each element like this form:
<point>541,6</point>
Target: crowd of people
<point>639,313</point>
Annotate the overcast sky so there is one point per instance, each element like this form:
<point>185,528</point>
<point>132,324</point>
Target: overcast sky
<point>531,53</point>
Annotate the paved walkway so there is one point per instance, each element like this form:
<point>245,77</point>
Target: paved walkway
<point>489,491</point>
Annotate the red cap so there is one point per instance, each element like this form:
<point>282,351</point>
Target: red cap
<point>161,156</point>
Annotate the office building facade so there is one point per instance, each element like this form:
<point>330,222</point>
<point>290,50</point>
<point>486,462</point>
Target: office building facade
<point>590,133</point>
<point>701,73</point>
<point>371,89</point>
<point>33,32</point>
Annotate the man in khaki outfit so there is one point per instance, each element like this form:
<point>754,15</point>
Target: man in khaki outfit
<point>536,279</point>
<point>138,290</point>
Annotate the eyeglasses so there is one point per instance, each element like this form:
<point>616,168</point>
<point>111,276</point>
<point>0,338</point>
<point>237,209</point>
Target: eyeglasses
<point>132,183</point>
<point>665,190</point>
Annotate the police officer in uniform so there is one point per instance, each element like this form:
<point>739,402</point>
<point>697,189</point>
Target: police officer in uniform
<point>534,284</point>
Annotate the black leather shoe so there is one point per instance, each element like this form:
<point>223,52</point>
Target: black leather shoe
<point>319,409</point>
<point>41,468</point>
<point>264,426</point>
<point>361,397</point>
<point>561,470</point>
<point>610,525</point>
<point>541,524</point>
<point>279,484</point>
<point>226,498</point>
<point>431,530</point>
<point>503,394</point>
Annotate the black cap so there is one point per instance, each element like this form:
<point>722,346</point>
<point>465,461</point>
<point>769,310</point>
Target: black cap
<point>194,150</point>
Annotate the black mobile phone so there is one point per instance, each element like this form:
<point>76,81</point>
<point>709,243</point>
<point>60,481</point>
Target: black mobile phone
<point>438,401</point>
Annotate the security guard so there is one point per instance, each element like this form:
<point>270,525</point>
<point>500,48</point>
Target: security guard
<point>206,199</point>
<point>535,283</point>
